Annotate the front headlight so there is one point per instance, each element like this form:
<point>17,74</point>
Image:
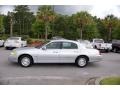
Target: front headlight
<point>13,53</point>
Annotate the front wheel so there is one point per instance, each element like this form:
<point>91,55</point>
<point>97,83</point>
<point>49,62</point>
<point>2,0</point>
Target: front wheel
<point>82,61</point>
<point>25,61</point>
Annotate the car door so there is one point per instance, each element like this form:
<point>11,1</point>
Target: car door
<point>51,53</point>
<point>69,52</point>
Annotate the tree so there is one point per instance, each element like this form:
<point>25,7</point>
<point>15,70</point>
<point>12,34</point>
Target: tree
<point>116,31</point>
<point>46,14</point>
<point>1,24</point>
<point>6,23</point>
<point>38,28</point>
<point>22,20</point>
<point>110,22</point>
<point>61,25</point>
<point>86,25</point>
<point>100,26</point>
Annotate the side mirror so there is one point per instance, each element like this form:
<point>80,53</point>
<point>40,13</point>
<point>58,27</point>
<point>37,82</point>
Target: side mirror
<point>43,48</point>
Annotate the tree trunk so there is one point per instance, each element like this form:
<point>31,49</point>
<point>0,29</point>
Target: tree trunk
<point>46,31</point>
<point>11,27</point>
<point>81,33</point>
<point>38,35</point>
<point>110,33</point>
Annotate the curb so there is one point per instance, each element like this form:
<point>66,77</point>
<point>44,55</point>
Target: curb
<point>91,81</point>
<point>97,81</point>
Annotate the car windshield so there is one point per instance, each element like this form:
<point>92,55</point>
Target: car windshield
<point>99,41</point>
<point>13,38</point>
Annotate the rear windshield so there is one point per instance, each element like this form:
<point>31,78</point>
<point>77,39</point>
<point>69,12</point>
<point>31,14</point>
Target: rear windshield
<point>13,38</point>
<point>99,41</point>
<point>116,41</point>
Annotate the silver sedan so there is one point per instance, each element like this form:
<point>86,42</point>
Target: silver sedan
<point>56,51</point>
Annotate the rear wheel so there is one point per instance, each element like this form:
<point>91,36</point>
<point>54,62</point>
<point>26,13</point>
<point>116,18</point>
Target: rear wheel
<point>82,61</point>
<point>115,50</point>
<point>25,60</point>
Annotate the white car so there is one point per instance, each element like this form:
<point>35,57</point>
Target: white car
<point>56,51</point>
<point>15,42</point>
<point>1,42</point>
<point>101,45</point>
<point>86,43</point>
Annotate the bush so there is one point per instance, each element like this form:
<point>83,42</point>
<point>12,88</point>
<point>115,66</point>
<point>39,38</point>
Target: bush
<point>29,41</point>
<point>25,37</point>
<point>3,37</point>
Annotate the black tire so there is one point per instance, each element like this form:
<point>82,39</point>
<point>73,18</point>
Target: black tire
<point>6,48</point>
<point>107,50</point>
<point>115,50</point>
<point>21,60</point>
<point>84,61</point>
<point>95,47</point>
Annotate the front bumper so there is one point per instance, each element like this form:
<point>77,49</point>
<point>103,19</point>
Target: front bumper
<point>13,58</point>
<point>12,45</point>
<point>95,58</point>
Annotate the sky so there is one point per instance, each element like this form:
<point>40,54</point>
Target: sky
<point>95,10</point>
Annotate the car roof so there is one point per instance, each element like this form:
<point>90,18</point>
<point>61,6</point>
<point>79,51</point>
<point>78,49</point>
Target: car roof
<point>64,40</point>
<point>16,37</point>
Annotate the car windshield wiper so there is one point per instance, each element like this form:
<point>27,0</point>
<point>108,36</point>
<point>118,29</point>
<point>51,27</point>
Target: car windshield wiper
<point>38,46</point>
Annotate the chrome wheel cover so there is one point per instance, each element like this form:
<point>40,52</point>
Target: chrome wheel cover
<point>82,62</point>
<point>25,61</point>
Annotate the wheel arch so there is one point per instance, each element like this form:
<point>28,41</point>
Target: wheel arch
<point>25,55</point>
<point>82,56</point>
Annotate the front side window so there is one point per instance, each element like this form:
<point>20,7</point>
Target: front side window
<point>69,45</point>
<point>54,45</point>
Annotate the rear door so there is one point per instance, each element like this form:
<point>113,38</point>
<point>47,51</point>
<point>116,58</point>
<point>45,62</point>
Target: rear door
<point>69,52</point>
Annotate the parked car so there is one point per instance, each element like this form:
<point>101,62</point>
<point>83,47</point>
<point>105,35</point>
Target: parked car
<point>101,45</point>
<point>115,45</point>
<point>87,43</point>
<point>14,42</point>
<point>56,51</point>
<point>1,43</point>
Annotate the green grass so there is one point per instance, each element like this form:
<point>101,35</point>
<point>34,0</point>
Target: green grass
<point>110,81</point>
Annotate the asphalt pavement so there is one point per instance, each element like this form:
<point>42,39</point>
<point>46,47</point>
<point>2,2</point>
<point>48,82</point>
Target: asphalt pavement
<point>57,74</point>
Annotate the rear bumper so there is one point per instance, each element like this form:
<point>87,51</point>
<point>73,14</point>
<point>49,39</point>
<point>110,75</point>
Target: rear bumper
<point>1,44</point>
<point>105,48</point>
<point>95,58</point>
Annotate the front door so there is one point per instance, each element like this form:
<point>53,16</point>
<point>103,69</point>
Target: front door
<point>51,53</point>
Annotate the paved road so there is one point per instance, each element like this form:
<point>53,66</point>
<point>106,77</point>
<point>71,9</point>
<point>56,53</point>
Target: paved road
<point>64,73</point>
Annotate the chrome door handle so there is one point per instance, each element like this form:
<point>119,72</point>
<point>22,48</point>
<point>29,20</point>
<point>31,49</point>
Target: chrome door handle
<point>55,52</point>
<point>76,51</point>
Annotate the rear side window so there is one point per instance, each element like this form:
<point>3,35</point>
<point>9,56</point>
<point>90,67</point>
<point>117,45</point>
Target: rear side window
<point>54,45</point>
<point>69,45</point>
